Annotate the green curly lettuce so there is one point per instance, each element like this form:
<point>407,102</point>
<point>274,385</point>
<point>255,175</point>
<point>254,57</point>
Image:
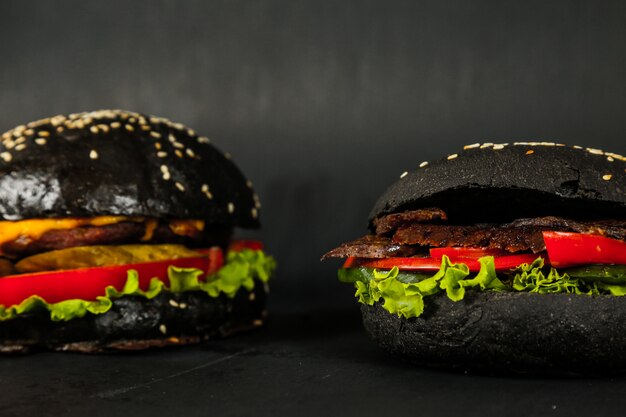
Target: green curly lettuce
<point>404,293</point>
<point>240,270</point>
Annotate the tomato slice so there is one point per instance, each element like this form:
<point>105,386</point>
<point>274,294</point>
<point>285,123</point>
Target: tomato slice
<point>569,249</point>
<point>241,244</point>
<point>432,264</point>
<point>87,283</point>
<point>457,252</point>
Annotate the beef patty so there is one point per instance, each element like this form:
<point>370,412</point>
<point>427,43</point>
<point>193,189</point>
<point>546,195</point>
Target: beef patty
<point>113,234</point>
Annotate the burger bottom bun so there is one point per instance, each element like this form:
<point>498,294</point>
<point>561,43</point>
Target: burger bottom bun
<point>135,323</point>
<point>503,333</point>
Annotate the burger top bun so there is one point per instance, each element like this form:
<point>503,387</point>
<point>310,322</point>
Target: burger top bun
<point>501,182</point>
<point>114,162</point>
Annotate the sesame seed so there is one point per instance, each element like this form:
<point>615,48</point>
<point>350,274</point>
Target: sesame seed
<point>204,140</point>
<point>453,156</point>
<point>257,323</point>
<point>486,145</point>
<point>173,303</point>
<point>423,164</point>
<point>172,138</point>
<point>20,147</point>
<point>162,154</point>
<point>473,145</point>
<point>530,152</point>
<point>610,159</point>
<point>9,144</point>
<point>252,296</point>
<point>227,155</point>
<point>116,125</point>
<point>178,153</point>
<point>190,153</point>
<point>182,305</point>
<point>498,147</point>
<point>145,128</point>
<point>163,329</point>
<point>156,135</point>
<point>29,132</point>
<point>93,154</point>
<point>130,128</point>
<point>19,140</point>
<point>249,184</point>
<point>607,177</point>
<point>60,129</point>
<point>404,174</point>
<point>180,186</point>
<point>40,141</point>
<point>178,145</point>
<point>231,208</point>
<point>205,188</point>
<point>191,132</point>
<point>6,156</point>
<point>595,151</point>
<point>166,172</point>
<point>577,147</point>
<point>94,129</point>
<point>157,145</point>
<point>254,212</point>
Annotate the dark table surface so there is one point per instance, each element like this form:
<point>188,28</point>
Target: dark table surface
<point>309,360</point>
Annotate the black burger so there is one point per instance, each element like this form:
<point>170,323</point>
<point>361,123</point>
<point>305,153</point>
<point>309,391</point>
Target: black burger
<point>116,233</point>
<point>501,258</point>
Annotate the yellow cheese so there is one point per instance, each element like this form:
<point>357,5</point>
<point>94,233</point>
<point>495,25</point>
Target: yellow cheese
<point>151,225</point>
<point>186,227</point>
<point>34,228</point>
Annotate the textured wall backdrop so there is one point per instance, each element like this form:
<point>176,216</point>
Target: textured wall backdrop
<point>324,103</point>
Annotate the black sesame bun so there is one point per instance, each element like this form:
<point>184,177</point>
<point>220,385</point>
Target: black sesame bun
<point>135,323</point>
<point>154,182</point>
<point>506,182</point>
<point>501,333</point>
<point>114,162</point>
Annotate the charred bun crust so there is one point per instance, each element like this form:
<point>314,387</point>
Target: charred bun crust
<point>499,332</point>
<point>497,183</point>
<point>114,162</point>
<point>135,323</point>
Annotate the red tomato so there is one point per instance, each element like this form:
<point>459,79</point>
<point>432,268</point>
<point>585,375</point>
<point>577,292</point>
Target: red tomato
<point>87,283</point>
<point>239,245</point>
<point>456,252</point>
<point>433,264</point>
<point>569,249</point>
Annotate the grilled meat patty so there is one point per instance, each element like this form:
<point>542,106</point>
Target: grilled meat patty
<point>113,234</point>
<point>406,234</point>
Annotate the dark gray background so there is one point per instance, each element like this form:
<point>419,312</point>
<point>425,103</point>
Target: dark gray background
<point>323,104</point>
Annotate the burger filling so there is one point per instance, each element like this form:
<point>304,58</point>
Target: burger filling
<point>417,254</point>
<point>75,266</point>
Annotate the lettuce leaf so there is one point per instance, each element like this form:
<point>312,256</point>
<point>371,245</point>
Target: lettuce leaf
<point>240,270</point>
<point>404,293</point>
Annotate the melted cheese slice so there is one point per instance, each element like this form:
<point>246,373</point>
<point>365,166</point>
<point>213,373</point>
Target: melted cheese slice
<point>35,228</point>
